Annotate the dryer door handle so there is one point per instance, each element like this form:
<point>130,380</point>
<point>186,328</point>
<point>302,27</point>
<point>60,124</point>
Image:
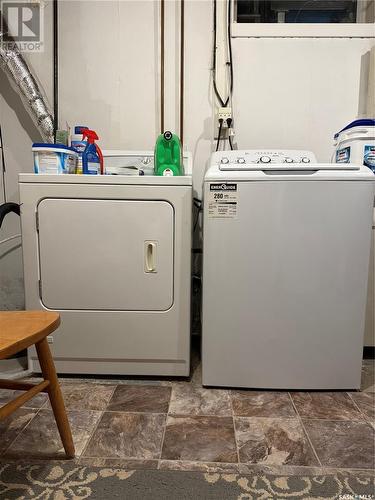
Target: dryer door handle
<point>150,256</point>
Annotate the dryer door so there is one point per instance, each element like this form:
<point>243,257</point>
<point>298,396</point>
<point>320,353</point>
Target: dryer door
<point>106,254</point>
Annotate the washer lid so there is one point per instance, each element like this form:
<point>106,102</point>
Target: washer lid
<point>240,159</point>
<point>298,172</point>
<point>287,167</point>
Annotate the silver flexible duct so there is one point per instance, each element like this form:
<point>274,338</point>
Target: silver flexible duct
<point>20,76</point>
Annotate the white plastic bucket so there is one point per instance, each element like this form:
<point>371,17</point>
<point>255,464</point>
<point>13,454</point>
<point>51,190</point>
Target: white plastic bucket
<point>356,144</point>
<point>54,159</point>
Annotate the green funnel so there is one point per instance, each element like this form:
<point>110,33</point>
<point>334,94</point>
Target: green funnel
<point>168,155</point>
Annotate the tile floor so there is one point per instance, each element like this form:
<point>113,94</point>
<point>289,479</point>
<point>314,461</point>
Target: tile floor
<point>181,425</point>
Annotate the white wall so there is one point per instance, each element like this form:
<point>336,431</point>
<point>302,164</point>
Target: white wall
<point>199,106</point>
<point>288,92</point>
<point>296,93</point>
<point>111,82</point>
<point>108,70</point>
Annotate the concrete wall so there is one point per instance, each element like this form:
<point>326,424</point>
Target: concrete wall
<point>287,93</point>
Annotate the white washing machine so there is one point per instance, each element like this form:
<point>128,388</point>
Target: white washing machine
<point>285,267</point>
<point>112,255</point>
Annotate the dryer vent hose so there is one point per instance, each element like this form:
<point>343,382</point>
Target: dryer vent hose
<point>25,84</point>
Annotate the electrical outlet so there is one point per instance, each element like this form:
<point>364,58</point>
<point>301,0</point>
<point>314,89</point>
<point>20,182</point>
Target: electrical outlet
<point>224,114</point>
<point>50,339</point>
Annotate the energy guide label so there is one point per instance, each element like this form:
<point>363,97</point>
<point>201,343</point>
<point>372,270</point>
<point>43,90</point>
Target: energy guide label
<point>222,200</point>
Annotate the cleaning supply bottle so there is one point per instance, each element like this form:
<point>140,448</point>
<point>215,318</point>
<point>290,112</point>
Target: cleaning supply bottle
<point>79,144</point>
<point>168,155</point>
<point>92,157</point>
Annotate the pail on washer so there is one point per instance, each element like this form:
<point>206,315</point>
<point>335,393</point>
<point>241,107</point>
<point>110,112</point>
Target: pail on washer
<point>54,159</point>
<point>355,143</point>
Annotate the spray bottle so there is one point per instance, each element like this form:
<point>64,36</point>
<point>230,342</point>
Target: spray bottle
<point>92,157</point>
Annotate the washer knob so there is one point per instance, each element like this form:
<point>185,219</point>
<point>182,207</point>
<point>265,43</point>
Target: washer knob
<point>288,160</point>
<point>240,160</point>
<point>305,159</point>
<point>224,160</point>
<point>264,159</point>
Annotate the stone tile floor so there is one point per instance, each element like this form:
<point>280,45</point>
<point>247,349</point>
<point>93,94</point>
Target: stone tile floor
<point>178,424</point>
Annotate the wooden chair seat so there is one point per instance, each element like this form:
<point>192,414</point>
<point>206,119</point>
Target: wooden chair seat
<point>22,329</point>
<point>18,331</point>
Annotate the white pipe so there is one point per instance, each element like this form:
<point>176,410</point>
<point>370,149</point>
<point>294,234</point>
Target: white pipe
<point>10,238</point>
<point>370,107</point>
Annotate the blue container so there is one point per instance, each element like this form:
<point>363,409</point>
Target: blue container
<point>54,159</point>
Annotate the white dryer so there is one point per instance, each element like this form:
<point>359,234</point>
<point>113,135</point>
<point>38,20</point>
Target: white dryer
<point>285,266</point>
<point>112,255</point>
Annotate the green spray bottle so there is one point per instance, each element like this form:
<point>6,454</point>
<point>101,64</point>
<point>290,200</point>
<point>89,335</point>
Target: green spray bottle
<point>168,155</point>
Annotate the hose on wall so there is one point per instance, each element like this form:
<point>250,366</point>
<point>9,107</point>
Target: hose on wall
<point>55,67</point>
<point>162,64</point>
<point>370,108</point>
<point>25,84</point>
<point>182,69</point>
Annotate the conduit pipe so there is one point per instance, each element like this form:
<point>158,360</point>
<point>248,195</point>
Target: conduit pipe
<point>371,85</point>
<point>182,70</point>
<point>55,67</point>
<point>162,64</point>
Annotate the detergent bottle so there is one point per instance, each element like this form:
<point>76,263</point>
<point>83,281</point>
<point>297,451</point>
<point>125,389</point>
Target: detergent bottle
<point>92,157</point>
<point>168,155</point>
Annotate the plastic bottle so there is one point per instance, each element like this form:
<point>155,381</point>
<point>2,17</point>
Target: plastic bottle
<point>92,157</point>
<point>79,144</point>
<point>168,155</point>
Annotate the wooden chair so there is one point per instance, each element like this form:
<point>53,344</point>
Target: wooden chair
<point>18,331</point>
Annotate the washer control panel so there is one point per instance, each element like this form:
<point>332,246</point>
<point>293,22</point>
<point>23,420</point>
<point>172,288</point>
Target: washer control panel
<point>254,159</point>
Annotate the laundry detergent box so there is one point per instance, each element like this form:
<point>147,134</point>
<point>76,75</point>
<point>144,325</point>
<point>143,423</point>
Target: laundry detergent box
<point>355,143</point>
<point>54,159</point>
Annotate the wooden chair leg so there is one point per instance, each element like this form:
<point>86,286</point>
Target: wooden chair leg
<point>49,373</point>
